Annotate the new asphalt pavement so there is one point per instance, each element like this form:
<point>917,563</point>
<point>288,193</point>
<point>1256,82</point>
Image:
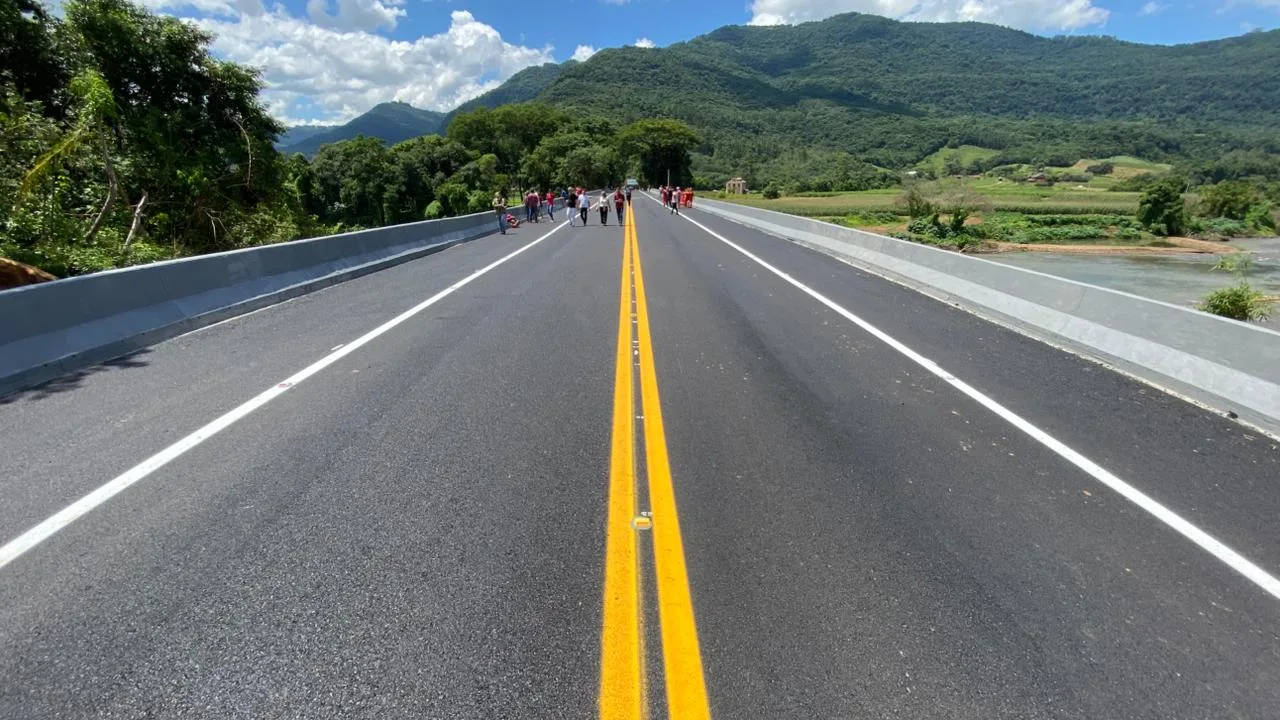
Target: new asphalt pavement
<point>392,498</point>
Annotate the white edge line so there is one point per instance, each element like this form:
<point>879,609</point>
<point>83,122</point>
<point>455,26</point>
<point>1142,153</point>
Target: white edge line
<point>1215,547</point>
<point>26,541</point>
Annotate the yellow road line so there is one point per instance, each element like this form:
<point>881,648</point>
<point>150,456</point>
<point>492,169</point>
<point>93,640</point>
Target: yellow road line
<point>621,662</point>
<point>682,660</point>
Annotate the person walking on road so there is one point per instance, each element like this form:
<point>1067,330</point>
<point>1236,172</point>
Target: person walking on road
<point>500,207</point>
<point>665,192</point>
<point>551,205</point>
<point>571,205</point>
<point>618,202</point>
<point>603,207</point>
<point>584,202</point>
<point>675,201</point>
<point>628,194</point>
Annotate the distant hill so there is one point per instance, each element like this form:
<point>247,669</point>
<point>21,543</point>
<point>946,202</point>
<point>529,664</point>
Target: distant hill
<point>390,122</point>
<point>298,133</point>
<point>894,92</point>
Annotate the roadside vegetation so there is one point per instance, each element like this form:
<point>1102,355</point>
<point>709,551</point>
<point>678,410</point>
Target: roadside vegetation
<point>1239,301</point>
<point>126,141</point>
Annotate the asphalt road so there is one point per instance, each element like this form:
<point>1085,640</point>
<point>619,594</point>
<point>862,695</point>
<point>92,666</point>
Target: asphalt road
<point>626,474</point>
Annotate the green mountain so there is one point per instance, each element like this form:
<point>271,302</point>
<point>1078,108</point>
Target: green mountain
<point>891,93</point>
<point>521,87</point>
<point>298,133</point>
<point>390,122</point>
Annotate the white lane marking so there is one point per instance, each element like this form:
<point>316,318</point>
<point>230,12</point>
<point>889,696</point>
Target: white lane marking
<point>38,534</point>
<point>1215,547</point>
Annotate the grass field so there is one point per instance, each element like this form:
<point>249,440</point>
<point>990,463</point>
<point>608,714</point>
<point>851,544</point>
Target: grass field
<point>965,154</point>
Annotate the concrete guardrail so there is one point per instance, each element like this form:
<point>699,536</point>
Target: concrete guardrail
<point>1228,365</point>
<point>53,328</point>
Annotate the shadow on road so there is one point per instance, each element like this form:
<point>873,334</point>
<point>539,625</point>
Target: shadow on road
<point>73,380</point>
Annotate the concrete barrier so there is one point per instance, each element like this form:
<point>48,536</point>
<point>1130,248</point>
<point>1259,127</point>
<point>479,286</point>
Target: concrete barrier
<point>1228,365</point>
<point>53,328</point>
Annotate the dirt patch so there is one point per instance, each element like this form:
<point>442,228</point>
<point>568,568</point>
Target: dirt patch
<point>1206,246</point>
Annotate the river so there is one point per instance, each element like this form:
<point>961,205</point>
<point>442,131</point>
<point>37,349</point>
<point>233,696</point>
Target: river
<point>1177,279</point>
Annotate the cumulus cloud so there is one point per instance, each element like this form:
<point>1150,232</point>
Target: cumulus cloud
<point>583,52</point>
<point>1023,14</point>
<point>644,42</point>
<point>336,69</point>
<point>356,14</point>
<point>1151,8</point>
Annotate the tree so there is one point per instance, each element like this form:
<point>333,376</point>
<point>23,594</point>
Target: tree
<point>592,166</point>
<point>420,166</point>
<point>95,119</point>
<point>661,146</point>
<point>351,181</point>
<point>1229,199</point>
<point>1161,208</point>
<point>28,55</point>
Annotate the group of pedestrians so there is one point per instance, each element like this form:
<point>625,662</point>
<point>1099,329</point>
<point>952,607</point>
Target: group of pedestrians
<point>577,202</point>
<point>580,200</point>
<point>671,197</point>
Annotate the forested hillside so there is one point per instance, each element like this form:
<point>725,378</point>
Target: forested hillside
<point>890,93</point>
<point>524,86</point>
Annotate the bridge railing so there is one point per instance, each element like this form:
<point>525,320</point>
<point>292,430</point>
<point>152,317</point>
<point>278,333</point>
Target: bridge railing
<point>53,328</point>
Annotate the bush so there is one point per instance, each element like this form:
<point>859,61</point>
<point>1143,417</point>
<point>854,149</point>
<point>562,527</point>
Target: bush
<point>1259,217</point>
<point>771,192</point>
<point>434,211</point>
<point>1238,302</point>
<point>917,205</point>
<point>1102,168</point>
<point>1238,264</point>
<point>1221,227</point>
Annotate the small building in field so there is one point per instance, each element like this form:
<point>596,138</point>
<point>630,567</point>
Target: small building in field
<point>736,186</point>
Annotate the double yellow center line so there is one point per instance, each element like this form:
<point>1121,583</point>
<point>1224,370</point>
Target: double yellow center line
<point>622,673</point>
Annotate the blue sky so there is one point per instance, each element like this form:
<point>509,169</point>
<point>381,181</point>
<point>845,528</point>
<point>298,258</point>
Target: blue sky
<point>329,60</point>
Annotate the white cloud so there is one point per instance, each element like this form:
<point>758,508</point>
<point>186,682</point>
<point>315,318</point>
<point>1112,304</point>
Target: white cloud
<point>356,14</point>
<point>644,42</point>
<point>333,73</point>
<point>1022,14</point>
<point>1152,8</point>
<point>583,52</point>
